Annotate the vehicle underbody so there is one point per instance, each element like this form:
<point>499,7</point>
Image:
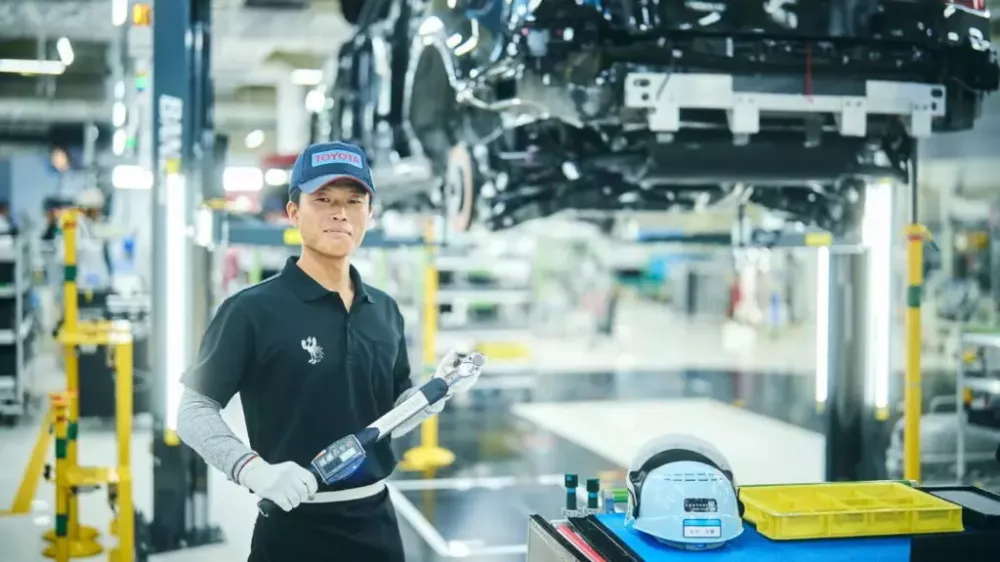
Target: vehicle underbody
<point>576,112</point>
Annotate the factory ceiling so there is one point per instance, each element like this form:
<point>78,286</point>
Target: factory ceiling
<point>255,44</point>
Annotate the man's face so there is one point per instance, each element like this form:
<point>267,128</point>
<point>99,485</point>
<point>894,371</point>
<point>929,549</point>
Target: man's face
<point>332,221</point>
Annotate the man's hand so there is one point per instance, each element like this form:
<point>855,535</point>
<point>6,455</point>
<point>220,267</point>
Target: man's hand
<point>286,484</point>
<point>447,367</point>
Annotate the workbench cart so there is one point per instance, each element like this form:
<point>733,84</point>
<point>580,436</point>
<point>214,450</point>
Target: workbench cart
<point>979,396</point>
<point>604,538</point>
<point>888,521</point>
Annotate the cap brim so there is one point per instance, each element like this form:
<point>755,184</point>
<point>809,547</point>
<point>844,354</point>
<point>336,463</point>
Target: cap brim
<point>322,181</point>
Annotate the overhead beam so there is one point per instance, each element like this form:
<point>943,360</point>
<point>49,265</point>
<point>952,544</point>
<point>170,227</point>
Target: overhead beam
<point>79,20</point>
<point>228,115</point>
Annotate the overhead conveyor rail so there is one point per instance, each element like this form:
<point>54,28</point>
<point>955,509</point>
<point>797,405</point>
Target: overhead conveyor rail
<point>239,230</point>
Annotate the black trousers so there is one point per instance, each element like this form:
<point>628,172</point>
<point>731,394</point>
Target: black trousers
<point>362,530</point>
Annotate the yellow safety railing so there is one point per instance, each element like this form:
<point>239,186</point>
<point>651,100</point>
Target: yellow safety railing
<point>82,539</point>
<point>69,538</point>
<point>429,455</point>
<point>916,235</point>
<point>34,470</point>
<point>71,477</point>
<point>61,405</point>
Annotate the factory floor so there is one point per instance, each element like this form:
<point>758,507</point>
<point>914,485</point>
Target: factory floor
<point>513,442</point>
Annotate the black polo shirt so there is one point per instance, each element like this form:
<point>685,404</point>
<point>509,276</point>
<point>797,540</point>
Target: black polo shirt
<point>308,370</point>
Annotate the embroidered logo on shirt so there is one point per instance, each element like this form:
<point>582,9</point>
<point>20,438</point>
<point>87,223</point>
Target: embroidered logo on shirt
<point>313,349</point>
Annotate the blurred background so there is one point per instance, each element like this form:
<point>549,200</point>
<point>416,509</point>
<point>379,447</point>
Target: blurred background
<point>604,329</point>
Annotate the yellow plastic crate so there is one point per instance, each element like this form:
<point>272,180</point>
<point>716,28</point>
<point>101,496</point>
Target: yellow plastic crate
<point>849,509</point>
<point>504,351</point>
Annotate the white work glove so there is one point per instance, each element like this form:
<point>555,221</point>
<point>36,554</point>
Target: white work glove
<point>286,484</point>
<point>447,366</point>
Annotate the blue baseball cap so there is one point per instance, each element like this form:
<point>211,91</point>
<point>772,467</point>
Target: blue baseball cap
<point>323,163</point>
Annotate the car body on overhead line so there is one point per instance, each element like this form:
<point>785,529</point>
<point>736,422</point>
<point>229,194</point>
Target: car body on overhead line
<point>500,111</point>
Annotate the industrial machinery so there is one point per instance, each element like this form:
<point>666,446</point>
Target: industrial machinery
<point>69,537</point>
<point>531,107</point>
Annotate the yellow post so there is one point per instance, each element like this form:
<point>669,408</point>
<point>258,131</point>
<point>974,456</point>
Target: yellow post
<point>916,235</point>
<point>429,454</point>
<point>33,471</point>
<point>60,407</point>
<point>125,521</point>
<point>82,538</point>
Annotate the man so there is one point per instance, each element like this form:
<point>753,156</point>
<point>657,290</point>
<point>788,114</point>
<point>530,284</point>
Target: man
<point>92,257</point>
<point>315,355</point>
<point>93,262</point>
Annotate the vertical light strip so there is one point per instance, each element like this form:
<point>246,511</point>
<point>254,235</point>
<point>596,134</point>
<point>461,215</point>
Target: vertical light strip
<point>877,237</point>
<point>177,302</point>
<point>822,323</point>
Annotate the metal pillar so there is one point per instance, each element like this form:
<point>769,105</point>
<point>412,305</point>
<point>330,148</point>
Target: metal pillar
<point>844,355</point>
<point>183,133</point>
<point>857,333</point>
<point>292,133</point>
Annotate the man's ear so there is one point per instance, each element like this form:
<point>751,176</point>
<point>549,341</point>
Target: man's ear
<point>293,213</point>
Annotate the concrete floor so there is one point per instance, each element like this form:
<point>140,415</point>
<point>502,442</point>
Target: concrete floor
<point>583,408</point>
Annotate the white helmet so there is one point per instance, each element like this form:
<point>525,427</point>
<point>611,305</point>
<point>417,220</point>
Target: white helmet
<point>682,493</point>
<point>90,198</point>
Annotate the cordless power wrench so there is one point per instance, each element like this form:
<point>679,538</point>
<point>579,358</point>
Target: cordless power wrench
<point>345,455</point>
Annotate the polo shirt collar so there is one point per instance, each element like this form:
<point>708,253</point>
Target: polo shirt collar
<point>308,289</point>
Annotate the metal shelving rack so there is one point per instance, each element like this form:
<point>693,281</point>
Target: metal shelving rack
<point>486,303</point>
<point>476,283</point>
<point>16,341</point>
<point>988,385</point>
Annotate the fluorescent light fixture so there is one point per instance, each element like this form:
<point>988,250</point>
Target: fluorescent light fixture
<point>876,236</point>
<point>29,66</point>
<point>131,177</point>
<point>119,12</point>
<point>120,90</point>
<point>242,178</point>
<point>118,114</point>
<point>254,139</point>
<point>118,141</point>
<point>822,323</point>
<point>204,226</point>
<point>65,50</point>
<point>275,177</point>
<point>315,100</point>
<point>234,178</point>
<point>240,204</point>
<point>177,270</point>
<point>306,77</point>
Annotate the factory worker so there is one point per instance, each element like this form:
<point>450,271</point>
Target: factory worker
<point>92,264</point>
<point>316,355</point>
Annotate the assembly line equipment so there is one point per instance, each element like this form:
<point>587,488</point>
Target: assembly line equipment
<point>968,390</point>
<point>69,538</point>
<point>429,455</point>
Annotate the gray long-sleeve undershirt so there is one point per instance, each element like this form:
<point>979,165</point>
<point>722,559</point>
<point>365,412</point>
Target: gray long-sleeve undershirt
<point>201,427</point>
